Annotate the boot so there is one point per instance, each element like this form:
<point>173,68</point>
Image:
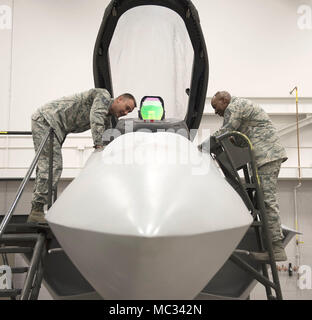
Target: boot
<point>37,214</point>
<point>278,251</point>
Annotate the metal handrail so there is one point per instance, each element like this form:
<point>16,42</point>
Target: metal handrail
<point>264,220</point>
<point>16,133</point>
<point>50,133</point>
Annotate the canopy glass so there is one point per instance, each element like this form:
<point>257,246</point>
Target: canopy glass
<point>151,55</point>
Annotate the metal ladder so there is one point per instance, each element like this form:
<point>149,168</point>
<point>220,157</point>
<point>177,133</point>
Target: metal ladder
<point>19,237</point>
<point>31,241</point>
<point>233,152</point>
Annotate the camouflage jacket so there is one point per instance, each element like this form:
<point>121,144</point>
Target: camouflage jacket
<point>250,119</point>
<point>78,113</point>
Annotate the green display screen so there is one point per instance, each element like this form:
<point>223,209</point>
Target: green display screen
<point>152,109</point>
<point>152,113</point>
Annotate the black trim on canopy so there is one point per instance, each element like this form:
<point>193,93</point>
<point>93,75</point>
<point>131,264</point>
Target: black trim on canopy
<point>200,72</point>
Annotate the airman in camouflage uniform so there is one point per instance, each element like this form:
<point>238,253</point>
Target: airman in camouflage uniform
<point>250,119</point>
<point>77,113</point>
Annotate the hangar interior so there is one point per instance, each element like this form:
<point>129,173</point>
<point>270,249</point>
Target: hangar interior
<point>260,50</point>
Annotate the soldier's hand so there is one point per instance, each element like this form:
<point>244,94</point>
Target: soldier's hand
<point>99,148</point>
<point>232,139</point>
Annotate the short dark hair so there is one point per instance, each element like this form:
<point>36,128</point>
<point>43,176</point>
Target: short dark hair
<point>223,95</point>
<point>129,96</point>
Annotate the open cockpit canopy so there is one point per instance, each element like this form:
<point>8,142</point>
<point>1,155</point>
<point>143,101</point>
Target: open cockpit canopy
<point>154,48</point>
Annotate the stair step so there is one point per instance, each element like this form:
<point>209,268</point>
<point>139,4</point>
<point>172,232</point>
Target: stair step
<point>16,250</point>
<point>8,293</point>
<point>249,186</point>
<point>19,269</point>
<point>19,237</point>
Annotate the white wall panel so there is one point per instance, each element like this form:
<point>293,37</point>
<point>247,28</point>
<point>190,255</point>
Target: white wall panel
<point>256,48</point>
<point>6,10</point>
<point>53,45</point>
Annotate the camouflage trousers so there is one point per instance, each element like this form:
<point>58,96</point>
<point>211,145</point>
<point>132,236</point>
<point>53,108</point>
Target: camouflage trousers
<point>39,127</point>
<point>268,174</point>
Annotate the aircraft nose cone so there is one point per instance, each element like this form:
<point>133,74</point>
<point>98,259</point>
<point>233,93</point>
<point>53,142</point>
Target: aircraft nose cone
<point>143,206</point>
